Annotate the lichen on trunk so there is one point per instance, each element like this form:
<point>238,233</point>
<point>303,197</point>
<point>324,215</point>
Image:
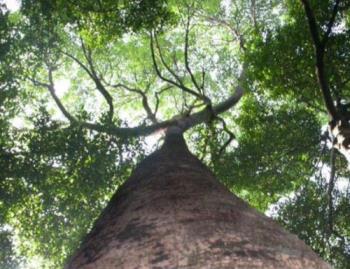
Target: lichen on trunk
<point>173,213</point>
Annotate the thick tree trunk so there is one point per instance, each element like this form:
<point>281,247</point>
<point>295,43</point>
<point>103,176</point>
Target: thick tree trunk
<point>340,131</point>
<point>173,213</point>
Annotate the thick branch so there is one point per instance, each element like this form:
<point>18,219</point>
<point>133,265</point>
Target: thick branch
<point>210,112</point>
<point>320,51</point>
<point>182,122</point>
<point>230,138</point>
<point>312,23</point>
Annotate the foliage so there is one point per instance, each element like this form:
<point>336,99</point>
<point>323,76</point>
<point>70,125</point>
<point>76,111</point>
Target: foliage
<point>308,215</point>
<point>280,142</point>
<point>142,63</point>
<point>56,180</point>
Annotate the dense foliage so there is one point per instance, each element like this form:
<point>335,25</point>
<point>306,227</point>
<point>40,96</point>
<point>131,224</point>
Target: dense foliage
<point>76,75</point>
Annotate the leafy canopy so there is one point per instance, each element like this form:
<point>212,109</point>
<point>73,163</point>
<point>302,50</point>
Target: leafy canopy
<point>82,83</point>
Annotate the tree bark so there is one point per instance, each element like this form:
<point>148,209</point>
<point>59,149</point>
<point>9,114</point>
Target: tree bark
<point>340,130</point>
<point>173,213</point>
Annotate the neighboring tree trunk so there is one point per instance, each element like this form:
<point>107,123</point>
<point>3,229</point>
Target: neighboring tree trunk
<point>173,213</point>
<point>340,130</point>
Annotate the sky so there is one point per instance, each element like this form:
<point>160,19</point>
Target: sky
<point>62,87</point>
<point>12,5</point>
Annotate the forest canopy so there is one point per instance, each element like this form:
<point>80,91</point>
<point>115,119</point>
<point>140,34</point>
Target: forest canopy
<point>88,87</point>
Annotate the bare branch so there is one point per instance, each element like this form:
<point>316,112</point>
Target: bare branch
<point>157,94</point>
<point>331,23</point>
<point>179,84</point>
<point>93,75</point>
<point>234,30</point>
<point>51,88</point>
<point>230,134</point>
<point>104,92</point>
<point>145,103</point>
<point>187,65</point>
<point>58,101</point>
<point>181,122</point>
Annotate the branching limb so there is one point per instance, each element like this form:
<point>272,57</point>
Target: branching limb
<point>187,64</point>
<point>51,88</point>
<point>104,92</point>
<point>157,94</point>
<point>331,23</point>
<point>93,75</point>
<point>182,123</point>
<point>230,134</point>
<point>210,112</point>
<point>178,83</point>
<point>150,115</point>
<point>319,46</point>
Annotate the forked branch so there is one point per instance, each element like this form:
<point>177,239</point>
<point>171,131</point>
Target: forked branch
<point>90,70</point>
<point>320,46</point>
<point>150,115</point>
<point>51,88</point>
<point>178,81</point>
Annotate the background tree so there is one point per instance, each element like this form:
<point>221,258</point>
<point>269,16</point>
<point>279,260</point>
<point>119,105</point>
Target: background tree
<point>137,67</point>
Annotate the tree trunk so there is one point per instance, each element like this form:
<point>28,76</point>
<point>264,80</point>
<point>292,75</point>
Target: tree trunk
<point>173,213</point>
<point>340,131</point>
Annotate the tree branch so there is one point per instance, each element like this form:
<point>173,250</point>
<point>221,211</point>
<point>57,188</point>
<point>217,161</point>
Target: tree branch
<point>209,112</point>
<point>320,66</point>
<point>181,122</point>
<point>151,115</point>
<point>235,32</point>
<point>98,83</point>
<point>230,134</point>
<point>93,75</point>
<point>179,84</point>
<point>187,65</point>
<point>331,23</point>
<point>52,92</point>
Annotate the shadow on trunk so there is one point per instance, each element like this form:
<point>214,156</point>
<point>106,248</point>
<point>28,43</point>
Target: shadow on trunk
<point>173,213</point>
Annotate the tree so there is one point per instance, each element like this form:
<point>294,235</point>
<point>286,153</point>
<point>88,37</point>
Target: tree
<point>191,60</point>
<point>172,212</point>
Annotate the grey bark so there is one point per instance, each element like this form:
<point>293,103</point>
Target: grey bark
<point>173,213</point>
